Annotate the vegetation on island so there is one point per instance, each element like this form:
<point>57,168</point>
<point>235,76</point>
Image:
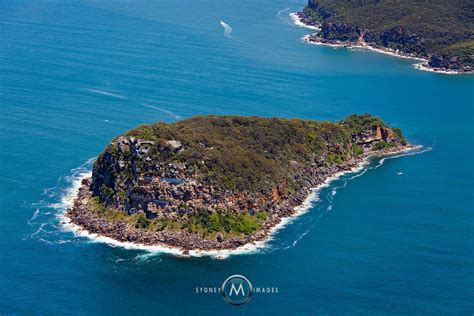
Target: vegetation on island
<point>202,223</point>
<point>249,153</point>
<point>231,168</point>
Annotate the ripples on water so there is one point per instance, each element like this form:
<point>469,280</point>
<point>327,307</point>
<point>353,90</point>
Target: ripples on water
<point>75,75</point>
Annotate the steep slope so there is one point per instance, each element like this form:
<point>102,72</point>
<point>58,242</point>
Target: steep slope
<point>440,30</point>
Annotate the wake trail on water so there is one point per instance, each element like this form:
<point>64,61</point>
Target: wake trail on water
<point>119,96</point>
<point>414,152</point>
<point>254,46</point>
<point>227,29</point>
<point>278,15</point>
<point>107,93</point>
<point>172,114</point>
<point>138,101</point>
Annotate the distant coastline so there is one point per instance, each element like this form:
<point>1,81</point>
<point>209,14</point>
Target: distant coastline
<point>300,19</point>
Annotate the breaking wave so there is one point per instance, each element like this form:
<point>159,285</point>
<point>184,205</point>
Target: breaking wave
<point>44,219</point>
<point>296,21</point>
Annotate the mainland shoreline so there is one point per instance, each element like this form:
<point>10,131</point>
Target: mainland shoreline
<point>300,20</point>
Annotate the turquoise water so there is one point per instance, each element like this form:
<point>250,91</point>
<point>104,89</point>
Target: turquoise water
<point>74,75</point>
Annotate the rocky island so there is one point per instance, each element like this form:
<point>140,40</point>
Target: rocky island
<point>219,182</point>
<point>440,32</point>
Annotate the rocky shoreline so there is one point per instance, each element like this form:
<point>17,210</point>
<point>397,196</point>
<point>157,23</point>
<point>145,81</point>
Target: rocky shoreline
<point>82,216</point>
<point>300,19</point>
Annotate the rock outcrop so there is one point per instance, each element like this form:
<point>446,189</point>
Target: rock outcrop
<point>166,190</point>
<point>413,38</point>
<point>448,62</point>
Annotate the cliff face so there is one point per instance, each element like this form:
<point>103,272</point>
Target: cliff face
<point>415,28</point>
<point>369,138</point>
<point>130,179</point>
<point>219,177</point>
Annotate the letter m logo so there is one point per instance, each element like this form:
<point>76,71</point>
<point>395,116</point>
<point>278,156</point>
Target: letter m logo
<point>237,290</point>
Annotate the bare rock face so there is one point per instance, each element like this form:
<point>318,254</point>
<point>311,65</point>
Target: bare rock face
<point>373,136</point>
<point>278,192</point>
<point>395,38</point>
<point>446,62</point>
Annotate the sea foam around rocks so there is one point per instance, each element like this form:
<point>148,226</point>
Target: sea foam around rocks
<point>422,65</point>
<point>367,47</point>
<point>296,21</point>
<point>70,194</point>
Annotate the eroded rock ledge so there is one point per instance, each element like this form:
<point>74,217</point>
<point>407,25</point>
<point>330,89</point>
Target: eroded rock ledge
<point>219,182</point>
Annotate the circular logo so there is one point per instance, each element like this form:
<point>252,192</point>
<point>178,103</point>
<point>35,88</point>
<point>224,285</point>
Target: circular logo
<point>236,289</point>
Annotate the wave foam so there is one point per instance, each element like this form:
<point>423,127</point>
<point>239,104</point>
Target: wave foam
<point>296,21</point>
<point>34,216</point>
<point>305,39</point>
<point>414,151</point>
<point>70,194</point>
<point>68,200</point>
<point>422,66</point>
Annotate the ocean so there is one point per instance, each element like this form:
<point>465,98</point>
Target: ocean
<point>395,237</point>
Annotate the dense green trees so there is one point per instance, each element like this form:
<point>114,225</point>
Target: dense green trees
<point>252,153</point>
<point>424,27</point>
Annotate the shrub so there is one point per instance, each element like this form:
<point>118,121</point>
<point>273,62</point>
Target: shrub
<point>142,221</point>
<point>357,150</point>
<point>380,145</point>
<point>106,190</point>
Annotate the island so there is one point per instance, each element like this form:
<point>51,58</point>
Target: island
<point>440,32</point>
<point>219,182</point>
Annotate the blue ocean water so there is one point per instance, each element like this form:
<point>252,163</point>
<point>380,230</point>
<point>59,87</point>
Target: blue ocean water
<point>75,74</point>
